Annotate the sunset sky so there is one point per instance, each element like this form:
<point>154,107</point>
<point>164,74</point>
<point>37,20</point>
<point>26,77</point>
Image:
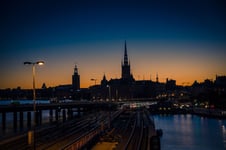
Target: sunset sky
<point>183,40</point>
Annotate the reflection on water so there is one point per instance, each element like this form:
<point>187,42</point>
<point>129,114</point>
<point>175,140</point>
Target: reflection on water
<point>190,132</point>
<point>224,134</point>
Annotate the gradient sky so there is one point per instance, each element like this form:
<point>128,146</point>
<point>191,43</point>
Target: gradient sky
<point>183,40</point>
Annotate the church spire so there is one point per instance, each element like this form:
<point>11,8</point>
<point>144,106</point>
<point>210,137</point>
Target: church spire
<point>126,66</point>
<point>125,56</point>
<point>76,69</point>
<point>104,81</point>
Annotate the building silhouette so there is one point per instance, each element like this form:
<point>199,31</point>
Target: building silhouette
<point>75,80</point>
<point>125,87</point>
<point>126,74</point>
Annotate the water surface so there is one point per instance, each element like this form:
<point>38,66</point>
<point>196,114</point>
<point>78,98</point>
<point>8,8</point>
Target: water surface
<point>191,132</point>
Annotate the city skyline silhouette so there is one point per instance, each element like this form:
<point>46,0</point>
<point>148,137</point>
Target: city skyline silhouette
<point>126,73</point>
<point>184,41</point>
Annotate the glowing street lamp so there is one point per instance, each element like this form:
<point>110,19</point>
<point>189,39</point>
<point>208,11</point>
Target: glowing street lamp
<point>34,94</point>
<point>33,75</point>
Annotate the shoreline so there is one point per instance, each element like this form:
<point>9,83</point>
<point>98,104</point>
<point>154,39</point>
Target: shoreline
<point>203,112</point>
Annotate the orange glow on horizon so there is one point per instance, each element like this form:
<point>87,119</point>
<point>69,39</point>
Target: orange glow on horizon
<point>182,66</point>
<point>85,79</point>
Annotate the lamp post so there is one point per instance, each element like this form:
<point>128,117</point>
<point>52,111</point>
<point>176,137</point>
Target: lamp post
<point>34,93</point>
<point>94,80</point>
<point>109,92</point>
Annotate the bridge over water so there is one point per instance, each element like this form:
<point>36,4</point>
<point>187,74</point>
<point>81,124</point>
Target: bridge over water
<point>66,110</point>
<point>79,132</point>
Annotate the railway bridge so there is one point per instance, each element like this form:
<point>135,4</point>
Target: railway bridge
<point>126,128</point>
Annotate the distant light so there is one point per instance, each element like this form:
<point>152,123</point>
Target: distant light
<point>40,62</point>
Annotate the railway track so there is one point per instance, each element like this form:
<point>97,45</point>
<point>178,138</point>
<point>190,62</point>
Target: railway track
<point>132,130</point>
<point>136,136</point>
<point>56,136</point>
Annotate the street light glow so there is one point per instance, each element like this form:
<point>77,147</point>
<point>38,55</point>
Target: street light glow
<point>33,63</point>
<point>40,62</point>
<point>34,93</point>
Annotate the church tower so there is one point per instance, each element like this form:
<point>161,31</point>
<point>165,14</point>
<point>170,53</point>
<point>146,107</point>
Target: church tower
<point>104,81</point>
<point>126,66</point>
<point>75,80</point>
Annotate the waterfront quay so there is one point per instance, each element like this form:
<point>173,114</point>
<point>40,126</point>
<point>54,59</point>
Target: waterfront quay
<point>99,123</point>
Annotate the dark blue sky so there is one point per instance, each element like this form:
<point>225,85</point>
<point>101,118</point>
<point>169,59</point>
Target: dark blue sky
<point>38,23</point>
<point>55,30</point>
